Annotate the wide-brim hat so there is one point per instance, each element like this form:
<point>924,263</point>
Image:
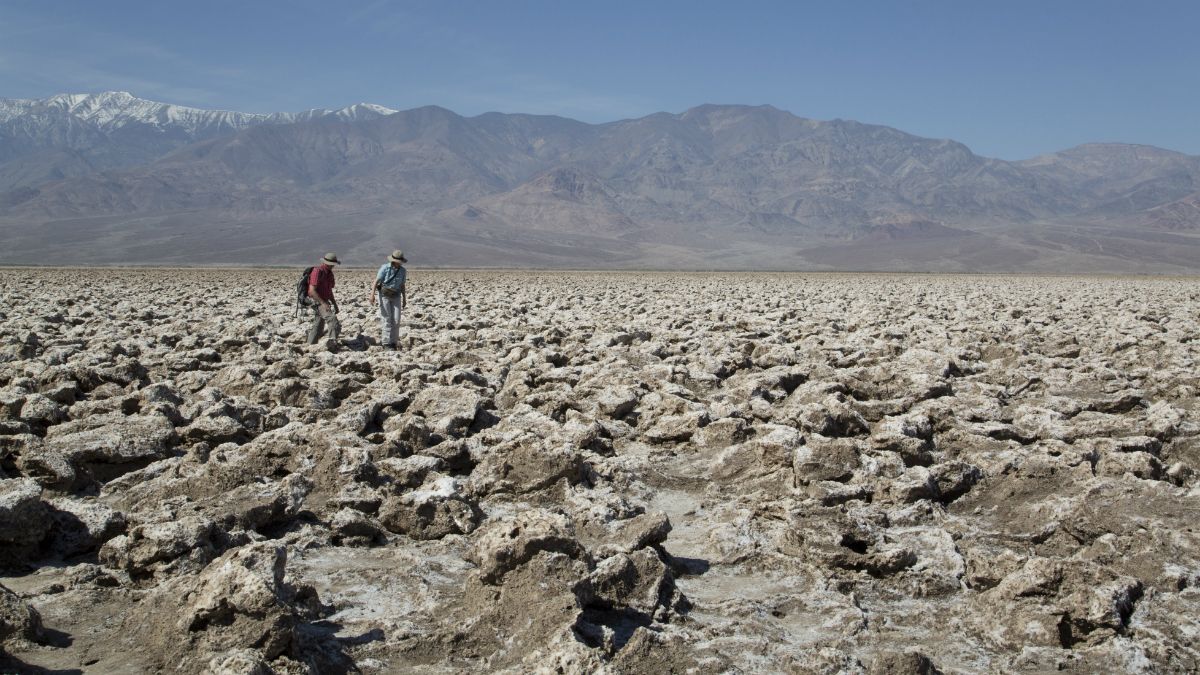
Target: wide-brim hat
<point>397,256</point>
<point>331,259</point>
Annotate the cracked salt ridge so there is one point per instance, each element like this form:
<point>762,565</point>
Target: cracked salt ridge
<point>788,610</point>
<point>715,588</point>
<point>366,585</point>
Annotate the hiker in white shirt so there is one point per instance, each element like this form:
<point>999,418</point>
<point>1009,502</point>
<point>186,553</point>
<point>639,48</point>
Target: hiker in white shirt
<point>389,282</point>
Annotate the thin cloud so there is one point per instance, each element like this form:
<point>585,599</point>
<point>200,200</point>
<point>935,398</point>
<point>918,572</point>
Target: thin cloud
<point>73,75</point>
<point>528,94</point>
<point>371,13</point>
<point>385,19</point>
<point>99,60</point>
<point>14,26</point>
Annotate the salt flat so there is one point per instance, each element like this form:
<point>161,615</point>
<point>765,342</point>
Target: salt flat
<point>582,472</point>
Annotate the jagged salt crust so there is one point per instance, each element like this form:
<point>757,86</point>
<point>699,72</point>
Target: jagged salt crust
<point>600,473</point>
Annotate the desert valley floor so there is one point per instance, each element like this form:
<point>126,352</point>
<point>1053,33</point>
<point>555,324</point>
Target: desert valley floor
<point>600,472</point>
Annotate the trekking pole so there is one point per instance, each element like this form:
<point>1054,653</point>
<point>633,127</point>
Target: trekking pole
<point>361,330</point>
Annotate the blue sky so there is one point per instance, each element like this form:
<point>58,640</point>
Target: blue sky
<point>1010,79</point>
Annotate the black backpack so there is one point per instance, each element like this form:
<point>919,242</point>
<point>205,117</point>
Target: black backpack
<point>302,299</point>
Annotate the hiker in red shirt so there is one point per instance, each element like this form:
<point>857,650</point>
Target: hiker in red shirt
<point>320,289</point>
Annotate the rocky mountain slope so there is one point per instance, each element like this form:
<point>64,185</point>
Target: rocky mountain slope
<point>78,134</point>
<point>715,186</point>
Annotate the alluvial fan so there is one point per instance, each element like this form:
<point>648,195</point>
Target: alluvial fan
<point>623,472</point>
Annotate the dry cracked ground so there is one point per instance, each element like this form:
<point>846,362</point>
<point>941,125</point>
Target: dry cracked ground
<point>600,473</point>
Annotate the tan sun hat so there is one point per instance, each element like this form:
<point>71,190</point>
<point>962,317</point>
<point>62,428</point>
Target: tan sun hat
<point>397,256</point>
<point>332,259</point>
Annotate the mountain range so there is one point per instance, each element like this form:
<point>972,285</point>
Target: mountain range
<point>113,179</point>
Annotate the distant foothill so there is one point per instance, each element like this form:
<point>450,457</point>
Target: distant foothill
<point>131,181</point>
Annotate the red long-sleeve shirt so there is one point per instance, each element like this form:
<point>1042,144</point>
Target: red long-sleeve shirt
<point>321,279</point>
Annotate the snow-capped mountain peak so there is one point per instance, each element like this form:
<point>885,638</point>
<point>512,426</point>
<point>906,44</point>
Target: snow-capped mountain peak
<point>358,111</point>
<point>112,110</point>
<point>361,110</point>
<point>115,129</point>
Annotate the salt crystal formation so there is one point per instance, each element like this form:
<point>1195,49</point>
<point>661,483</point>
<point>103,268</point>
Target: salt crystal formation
<point>600,473</point>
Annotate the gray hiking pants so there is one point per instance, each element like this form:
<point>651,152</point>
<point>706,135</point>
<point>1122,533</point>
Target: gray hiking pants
<point>317,328</point>
<point>389,320</point>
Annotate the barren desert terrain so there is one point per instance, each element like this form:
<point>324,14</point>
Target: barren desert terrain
<point>600,472</point>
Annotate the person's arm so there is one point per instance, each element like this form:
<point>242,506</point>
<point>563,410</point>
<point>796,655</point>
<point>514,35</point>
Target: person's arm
<point>403,295</point>
<point>312,293</point>
<point>375,287</point>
